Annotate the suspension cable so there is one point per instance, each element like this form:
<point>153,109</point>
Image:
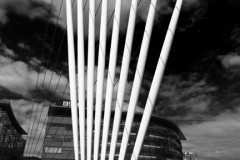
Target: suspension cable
<point>45,77</point>
<point>38,73</point>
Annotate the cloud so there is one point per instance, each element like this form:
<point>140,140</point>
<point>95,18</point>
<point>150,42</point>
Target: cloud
<point>230,60</point>
<point>25,80</point>
<point>4,60</point>
<point>199,103</point>
<point>18,77</point>
<point>3,17</point>
<point>4,50</point>
<point>192,94</point>
<point>190,4</point>
<point>192,11</point>
<point>34,61</point>
<point>20,107</point>
<point>142,12</point>
<point>23,46</point>
<point>32,9</point>
<point>235,32</point>
<point>216,139</point>
<point>41,9</point>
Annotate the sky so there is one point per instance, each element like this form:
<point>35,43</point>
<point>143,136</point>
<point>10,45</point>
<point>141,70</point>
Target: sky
<point>201,84</point>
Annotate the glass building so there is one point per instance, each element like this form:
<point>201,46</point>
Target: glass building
<point>162,140</point>
<point>11,142</point>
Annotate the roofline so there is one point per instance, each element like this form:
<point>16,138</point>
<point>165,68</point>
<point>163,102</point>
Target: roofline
<point>163,121</point>
<point>7,107</point>
<point>168,123</point>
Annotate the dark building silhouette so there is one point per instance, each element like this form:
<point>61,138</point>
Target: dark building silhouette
<point>11,142</point>
<point>161,142</point>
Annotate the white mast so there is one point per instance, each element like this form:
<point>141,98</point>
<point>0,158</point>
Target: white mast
<point>156,80</point>
<point>72,77</point>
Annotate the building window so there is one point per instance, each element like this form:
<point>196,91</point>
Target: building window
<point>68,148</point>
<point>53,149</point>
<point>58,138</point>
<point>68,127</point>
<point>48,136</point>
<point>68,138</point>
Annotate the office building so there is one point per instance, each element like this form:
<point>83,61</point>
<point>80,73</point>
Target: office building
<point>190,156</point>
<point>11,142</point>
<point>162,140</point>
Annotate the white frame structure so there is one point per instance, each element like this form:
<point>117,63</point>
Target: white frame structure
<point>111,78</point>
<point>81,76</point>
<point>72,77</point>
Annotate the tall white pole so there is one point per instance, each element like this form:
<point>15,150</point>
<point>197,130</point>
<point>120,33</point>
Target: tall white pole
<point>156,80</point>
<point>100,78</point>
<point>111,76</point>
<point>90,76</point>
<point>81,77</point>
<point>72,77</point>
<point>138,78</point>
<point>123,76</point>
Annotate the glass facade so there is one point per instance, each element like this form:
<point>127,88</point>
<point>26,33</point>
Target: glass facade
<point>11,142</point>
<point>160,143</point>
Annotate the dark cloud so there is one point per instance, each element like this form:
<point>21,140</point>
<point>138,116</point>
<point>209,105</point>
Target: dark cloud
<point>231,64</point>
<point>191,97</point>
<point>43,94</point>
<point>192,93</point>
<point>31,32</point>
<point>30,8</point>
<point>203,34</point>
<point>7,94</point>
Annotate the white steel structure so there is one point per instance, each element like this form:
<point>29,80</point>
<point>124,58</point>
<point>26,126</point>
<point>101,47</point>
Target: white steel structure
<point>111,76</point>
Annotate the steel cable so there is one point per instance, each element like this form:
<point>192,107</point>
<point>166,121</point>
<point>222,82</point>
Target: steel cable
<point>45,77</point>
<point>38,73</point>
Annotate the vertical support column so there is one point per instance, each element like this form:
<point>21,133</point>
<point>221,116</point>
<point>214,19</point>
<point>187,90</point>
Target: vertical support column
<point>138,78</point>
<point>90,78</point>
<point>81,77</point>
<point>123,76</point>
<point>100,78</point>
<point>72,77</point>
<point>111,76</point>
<point>156,80</point>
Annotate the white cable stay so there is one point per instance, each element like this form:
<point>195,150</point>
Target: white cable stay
<point>111,76</point>
<point>138,78</point>
<point>105,121</point>
<point>123,76</point>
<point>100,77</point>
<point>81,77</point>
<point>72,77</point>
<point>156,80</point>
<point>90,76</point>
